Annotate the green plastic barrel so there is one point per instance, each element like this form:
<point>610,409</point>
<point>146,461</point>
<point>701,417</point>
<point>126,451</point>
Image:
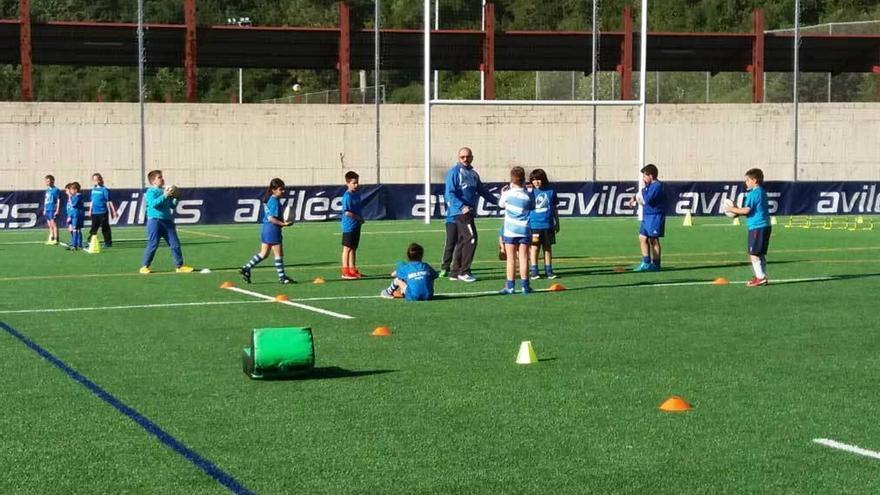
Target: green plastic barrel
<point>279,353</point>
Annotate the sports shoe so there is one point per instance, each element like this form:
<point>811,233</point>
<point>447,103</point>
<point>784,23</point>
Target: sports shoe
<point>507,290</point>
<point>757,282</point>
<point>526,290</point>
<point>357,273</point>
<point>453,278</point>
<point>347,275</point>
<point>467,277</point>
<point>285,280</point>
<point>653,268</point>
<point>184,269</point>
<point>145,270</point>
<point>443,273</point>
<point>643,267</point>
<point>387,293</point>
<point>535,276</point>
<point>551,276</point>
<point>245,274</point>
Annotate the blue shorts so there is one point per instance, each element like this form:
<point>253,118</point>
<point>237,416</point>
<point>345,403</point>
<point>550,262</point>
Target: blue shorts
<point>516,240</point>
<point>49,213</point>
<point>270,234</point>
<point>653,226</point>
<point>75,222</point>
<point>759,241</point>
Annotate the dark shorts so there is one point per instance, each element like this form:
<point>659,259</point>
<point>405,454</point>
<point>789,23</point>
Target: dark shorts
<point>759,241</point>
<point>516,241</point>
<point>544,238</point>
<point>270,234</point>
<point>352,239</point>
<point>653,226</point>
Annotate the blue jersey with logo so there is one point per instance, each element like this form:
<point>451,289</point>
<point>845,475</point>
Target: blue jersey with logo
<point>654,199</point>
<point>51,199</point>
<point>100,197</point>
<point>463,188</point>
<point>517,204</point>
<point>759,216</point>
<point>271,208</point>
<point>544,214</point>
<point>75,207</point>
<point>351,201</point>
<point>419,278</point>
<point>158,206</point>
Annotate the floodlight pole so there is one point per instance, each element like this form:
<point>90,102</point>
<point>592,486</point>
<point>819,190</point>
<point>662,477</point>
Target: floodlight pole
<point>376,14</point>
<point>643,72</point>
<point>797,46</point>
<point>140,36</point>
<point>436,72</point>
<point>595,40</point>
<point>426,86</point>
<point>483,69</point>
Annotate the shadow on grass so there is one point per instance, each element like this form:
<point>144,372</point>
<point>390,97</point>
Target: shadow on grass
<point>327,372</point>
<point>831,278</point>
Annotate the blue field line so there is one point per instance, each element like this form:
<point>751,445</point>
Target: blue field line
<point>174,444</point>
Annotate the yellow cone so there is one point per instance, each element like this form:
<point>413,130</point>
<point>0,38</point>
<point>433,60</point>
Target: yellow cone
<point>688,220</point>
<point>736,221</point>
<point>860,219</point>
<point>773,221</point>
<point>94,245</point>
<point>526,353</point>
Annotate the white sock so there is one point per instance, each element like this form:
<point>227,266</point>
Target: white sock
<point>759,271</point>
<point>764,265</point>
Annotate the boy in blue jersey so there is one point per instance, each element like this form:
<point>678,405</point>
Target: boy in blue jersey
<point>462,191</point>
<point>51,208</point>
<point>543,222</point>
<point>75,215</point>
<point>99,210</point>
<point>517,203</point>
<point>352,219</point>
<point>653,225</point>
<point>160,202</point>
<point>414,279</point>
<point>270,233</point>
<point>757,212</point>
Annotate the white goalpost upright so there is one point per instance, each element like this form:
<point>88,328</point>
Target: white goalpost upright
<point>429,102</point>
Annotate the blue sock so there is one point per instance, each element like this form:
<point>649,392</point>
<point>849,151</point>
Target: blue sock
<point>534,269</point>
<point>279,268</point>
<point>253,262</point>
<point>509,284</point>
<point>657,262</point>
<point>548,268</point>
<point>525,283</point>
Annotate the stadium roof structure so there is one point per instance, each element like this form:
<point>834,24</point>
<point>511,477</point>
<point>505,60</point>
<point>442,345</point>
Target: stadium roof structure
<point>343,49</point>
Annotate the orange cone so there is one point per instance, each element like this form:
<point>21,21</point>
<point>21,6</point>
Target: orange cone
<point>675,404</point>
<point>282,297</point>
<point>226,285</point>
<point>619,269</point>
<point>319,280</point>
<point>721,281</point>
<point>381,332</point>
<point>556,288</point>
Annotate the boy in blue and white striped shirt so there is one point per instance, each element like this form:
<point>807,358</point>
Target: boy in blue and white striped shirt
<point>517,203</point>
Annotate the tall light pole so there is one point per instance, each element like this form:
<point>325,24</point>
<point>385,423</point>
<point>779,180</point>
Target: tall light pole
<point>240,22</point>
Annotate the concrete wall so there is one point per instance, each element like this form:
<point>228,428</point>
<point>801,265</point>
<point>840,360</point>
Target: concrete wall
<point>238,145</point>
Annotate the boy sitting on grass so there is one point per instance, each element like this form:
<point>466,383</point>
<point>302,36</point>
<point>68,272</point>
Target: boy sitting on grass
<point>414,279</point>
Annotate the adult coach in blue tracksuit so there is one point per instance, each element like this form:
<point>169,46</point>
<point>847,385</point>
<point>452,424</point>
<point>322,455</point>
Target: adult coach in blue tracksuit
<point>463,188</point>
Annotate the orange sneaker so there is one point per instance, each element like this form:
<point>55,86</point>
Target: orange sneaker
<point>348,275</point>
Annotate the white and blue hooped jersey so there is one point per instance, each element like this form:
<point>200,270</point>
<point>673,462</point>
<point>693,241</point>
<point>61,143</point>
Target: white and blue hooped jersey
<point>51,198</point>
<point>517,204</point>
<point>543,216</point>
<point>271,208</point>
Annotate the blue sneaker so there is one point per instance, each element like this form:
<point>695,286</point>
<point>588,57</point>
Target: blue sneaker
<point>653,268</point>
<point>526,290</point>
<point>551,276</point>
<point>643,267</point>
<point>507,290</point>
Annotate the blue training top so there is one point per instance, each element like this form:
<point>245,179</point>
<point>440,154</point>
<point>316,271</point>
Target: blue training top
<point>759,216</point>
<point>52,195</point>
<point>272,208</point>
<point>544,215</point>
<point>419,278</point>
<point>158,206</point>
<point>75,206</point>
<point>351,201</point>
<point>517,203</point>
<point>463,186</point>
<point>654,199</point>
<point>100,197</point>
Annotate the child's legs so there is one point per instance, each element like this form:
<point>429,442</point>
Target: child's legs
<point>655,249</point>
<point>643,244</point>
<point>523,261</point>
<point>548,256</point>
<point>152,241</point>
<point>173,243</point>
<point>277,250</point>
<point>510,264</point>
<point>346,256</point>
<point>533,255</point>
<point>352,258</point>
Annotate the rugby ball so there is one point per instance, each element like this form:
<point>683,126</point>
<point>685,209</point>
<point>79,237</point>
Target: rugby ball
<point>725,204</point>
<point>172,191</point>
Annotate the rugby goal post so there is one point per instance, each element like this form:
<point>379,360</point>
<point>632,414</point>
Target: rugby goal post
<point>429,102</point>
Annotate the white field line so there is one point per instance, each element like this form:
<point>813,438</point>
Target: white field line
<point>291,303</point>
<point>135,306</point>
<point>61,243</point>
<point>847,448</point>
<point>381,232</point>
<point>204,234</point>
<point>772,282</point>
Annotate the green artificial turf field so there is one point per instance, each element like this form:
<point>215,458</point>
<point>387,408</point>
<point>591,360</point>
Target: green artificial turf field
<point>440,406</point>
